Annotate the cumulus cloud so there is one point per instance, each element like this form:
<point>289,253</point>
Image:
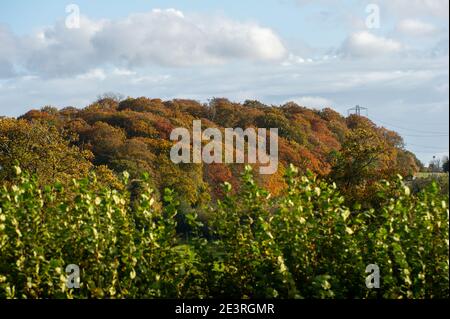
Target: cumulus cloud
<point>167,37</point>
<point>366,44</point>
<point>61,51</point>
<point>414,27</point>
<point>159,37</point>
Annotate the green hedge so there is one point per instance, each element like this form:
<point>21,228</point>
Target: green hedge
<point>302,244</point>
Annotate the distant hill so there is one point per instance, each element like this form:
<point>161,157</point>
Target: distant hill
<point>133,135</point>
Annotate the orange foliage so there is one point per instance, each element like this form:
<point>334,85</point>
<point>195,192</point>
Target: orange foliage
<point>134,134</point>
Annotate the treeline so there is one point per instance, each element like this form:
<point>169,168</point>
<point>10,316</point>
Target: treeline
<point>114,135</point>
<point>304,243</point>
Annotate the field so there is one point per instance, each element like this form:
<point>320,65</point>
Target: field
<point>430,175</point>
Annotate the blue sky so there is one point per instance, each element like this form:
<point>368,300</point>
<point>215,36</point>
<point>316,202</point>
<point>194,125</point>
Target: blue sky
<point>316,53</point>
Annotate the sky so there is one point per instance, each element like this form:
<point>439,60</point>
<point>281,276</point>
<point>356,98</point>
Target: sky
<point>391,57</point>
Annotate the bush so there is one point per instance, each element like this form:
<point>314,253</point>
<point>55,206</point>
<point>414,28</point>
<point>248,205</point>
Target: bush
<point>123,251</point>
<point>420,183</point>
<point>304,243</point>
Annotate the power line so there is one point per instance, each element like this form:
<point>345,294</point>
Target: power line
<point>411,130</point>
<point>437,135</point>
<point>427,147</point>
<point>429,151</point>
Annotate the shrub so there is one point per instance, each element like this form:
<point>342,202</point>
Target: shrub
<point>304,243</point>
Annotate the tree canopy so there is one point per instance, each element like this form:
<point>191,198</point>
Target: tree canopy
<point>132,134</point>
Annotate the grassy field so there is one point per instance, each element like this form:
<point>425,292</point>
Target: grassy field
<point>427,174</point>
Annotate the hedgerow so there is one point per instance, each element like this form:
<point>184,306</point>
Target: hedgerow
<point>303,243</point>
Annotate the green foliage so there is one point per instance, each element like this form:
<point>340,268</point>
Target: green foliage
<point>423,180</point>
<point>304,243</point>
<point>123,250</point>
<point>286,130</point>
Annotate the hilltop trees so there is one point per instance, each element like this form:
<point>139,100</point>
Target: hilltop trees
<point>105,141</point>
<point>41,150</point>
<point>133,134</point>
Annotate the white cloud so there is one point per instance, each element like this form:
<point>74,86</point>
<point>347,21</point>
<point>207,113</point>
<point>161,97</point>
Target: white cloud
<point>94,74</point>
<point>159,37</point>
<point>123,72</point>
<point>228,39</point>
<point>168,38</point>
<point>150,79</point>
<point>59,51</point>
<point>366,44</point>
<point>312,101</point>
<point>413,27</point>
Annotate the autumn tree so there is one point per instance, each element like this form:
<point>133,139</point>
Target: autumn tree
<point>41,150</point>
<point>133,134</point>
<point>357,164</point>
<point>105,140</point>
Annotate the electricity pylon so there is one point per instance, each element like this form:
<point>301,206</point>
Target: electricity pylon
<point>357,110</point>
